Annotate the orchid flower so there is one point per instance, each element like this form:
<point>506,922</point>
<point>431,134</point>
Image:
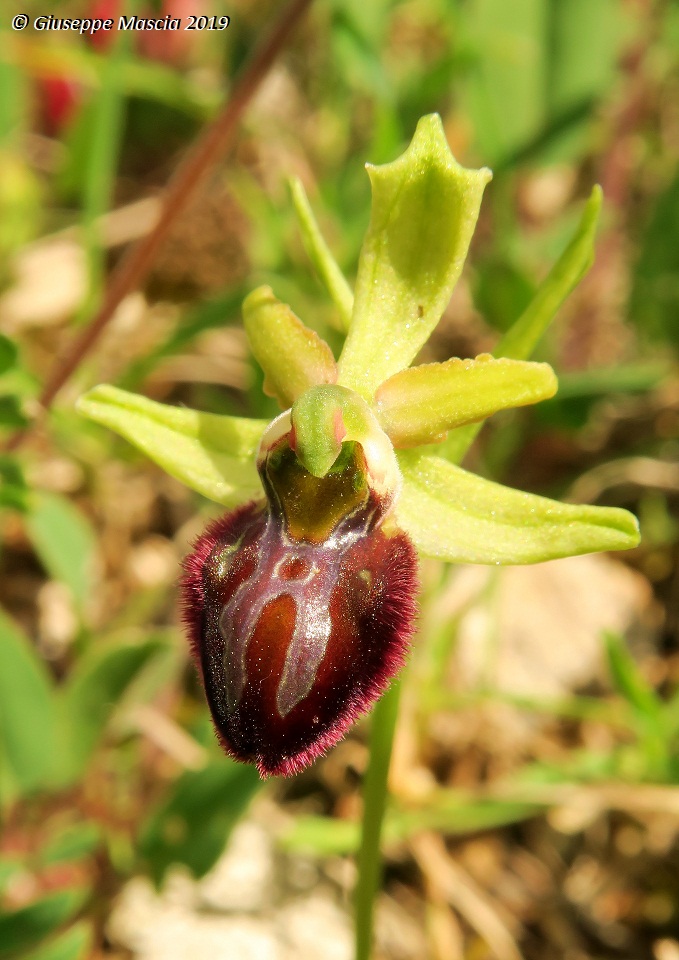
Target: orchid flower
<point>300,603</point>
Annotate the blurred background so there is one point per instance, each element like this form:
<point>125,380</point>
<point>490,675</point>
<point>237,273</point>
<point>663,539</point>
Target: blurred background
<point>535,778</point>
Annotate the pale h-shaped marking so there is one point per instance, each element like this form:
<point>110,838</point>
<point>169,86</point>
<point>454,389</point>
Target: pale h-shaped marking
<point>311,595</point>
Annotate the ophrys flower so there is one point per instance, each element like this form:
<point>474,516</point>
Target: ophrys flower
<point>300,604</point>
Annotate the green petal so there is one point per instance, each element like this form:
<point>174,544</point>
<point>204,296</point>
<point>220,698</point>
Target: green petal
<point>209,453</point>
<point>522,337</point>
<point>292,356</point>
<point>457,516</point>
<point>319,253</point>
<point>421,404</point>
<point>424,209</point>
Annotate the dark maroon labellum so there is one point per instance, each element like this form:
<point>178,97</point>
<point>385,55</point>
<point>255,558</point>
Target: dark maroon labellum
<point>300,610</point>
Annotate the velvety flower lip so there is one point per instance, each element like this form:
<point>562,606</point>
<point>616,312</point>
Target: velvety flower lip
<point>300,607</point>
<point>360,599</point>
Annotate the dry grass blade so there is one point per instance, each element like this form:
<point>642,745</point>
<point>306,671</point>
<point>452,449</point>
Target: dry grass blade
<point>464,895</point>
<point>169,737</point>
<point>632,798</point>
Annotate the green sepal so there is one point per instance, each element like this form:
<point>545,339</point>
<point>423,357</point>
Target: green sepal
<point>319,253</point>
<point>212,454</point>
<point>421,404</point>
<point>462,518</point>
<point>292,356</point>
<point>326,417</point>
<point>424,209</point>
<point>523,336</point>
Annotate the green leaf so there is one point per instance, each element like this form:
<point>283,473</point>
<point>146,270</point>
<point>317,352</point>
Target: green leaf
<point>293,357</point>
<point>74,842</point>
<point>628,679</point>
<point>27,710</point>
<point>424,209</point>
<point>23,929</point>
<point>92,693</point>
<point>654,299</point>
<point>623,378</point>
<point>585,39</point>
<point>523,336</point>
<point>65,543</point>
<point>74,944</point>
<point>457,516</point>
<point>447,811</point>
<point>194,823</point>
<point>11,412</point>
<point>8,353</point>
<point>421,404</point>
<point>322,836</point>
<point>319,253</point>
<point>504,87</point>
<point>655,754</point>
<point>456,814</point>
<point>13,489</point>
<point>212,454</point>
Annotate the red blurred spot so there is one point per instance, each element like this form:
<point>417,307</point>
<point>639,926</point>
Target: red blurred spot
<point>59,98</point>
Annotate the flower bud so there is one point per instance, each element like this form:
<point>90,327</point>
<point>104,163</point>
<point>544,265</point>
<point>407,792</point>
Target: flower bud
<point>300,608</point>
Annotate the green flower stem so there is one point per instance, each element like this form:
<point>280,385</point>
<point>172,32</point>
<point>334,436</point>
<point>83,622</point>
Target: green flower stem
<point>383,725</point>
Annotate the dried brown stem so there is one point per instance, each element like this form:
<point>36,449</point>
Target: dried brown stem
<point>135,266</point>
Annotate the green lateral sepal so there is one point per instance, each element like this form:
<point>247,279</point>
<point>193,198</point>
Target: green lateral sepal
<point>462,518</point>
<point>523,336</point>
<point>212,454</point>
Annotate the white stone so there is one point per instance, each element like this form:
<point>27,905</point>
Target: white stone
<point>242,879</point>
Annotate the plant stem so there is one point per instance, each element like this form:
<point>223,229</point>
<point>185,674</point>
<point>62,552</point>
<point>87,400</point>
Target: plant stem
<point>374,803</point>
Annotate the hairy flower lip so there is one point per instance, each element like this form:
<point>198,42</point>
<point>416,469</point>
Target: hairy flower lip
<point>358,665</point>
<point>301,608</point>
